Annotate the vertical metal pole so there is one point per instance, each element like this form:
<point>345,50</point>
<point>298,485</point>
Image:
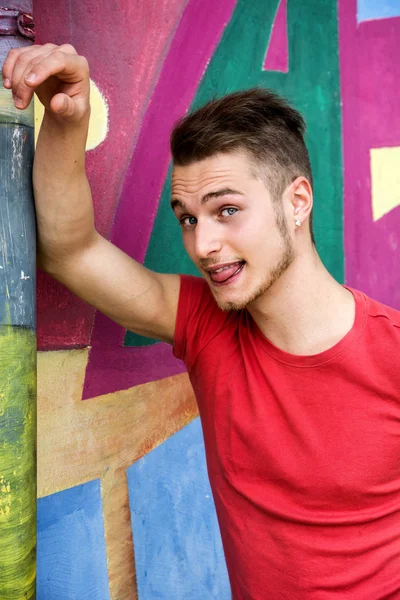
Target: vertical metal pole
<point>17,331</point>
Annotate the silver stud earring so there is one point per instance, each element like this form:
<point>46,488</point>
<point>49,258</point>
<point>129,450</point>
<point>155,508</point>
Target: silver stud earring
<point>298,222</point>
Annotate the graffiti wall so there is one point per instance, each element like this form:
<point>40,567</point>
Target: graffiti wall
<point>124,509</point>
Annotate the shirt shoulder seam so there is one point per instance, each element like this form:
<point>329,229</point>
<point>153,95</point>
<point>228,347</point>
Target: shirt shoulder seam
<point>381,315</point>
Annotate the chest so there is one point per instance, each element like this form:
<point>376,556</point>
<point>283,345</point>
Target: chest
<point>329,432</point>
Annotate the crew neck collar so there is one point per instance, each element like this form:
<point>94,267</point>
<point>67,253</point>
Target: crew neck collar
<point>314,360</point>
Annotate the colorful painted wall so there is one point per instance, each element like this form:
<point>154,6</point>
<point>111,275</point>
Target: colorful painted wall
<point>124,509</point>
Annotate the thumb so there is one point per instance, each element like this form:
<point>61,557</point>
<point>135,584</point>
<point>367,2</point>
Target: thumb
<point>62,105</point>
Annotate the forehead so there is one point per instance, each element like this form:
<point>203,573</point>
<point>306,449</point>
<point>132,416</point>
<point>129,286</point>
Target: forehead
<point>223,168</point>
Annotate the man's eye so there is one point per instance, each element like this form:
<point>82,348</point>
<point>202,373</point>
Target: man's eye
<point>229,211</point>
<point>188,221</point>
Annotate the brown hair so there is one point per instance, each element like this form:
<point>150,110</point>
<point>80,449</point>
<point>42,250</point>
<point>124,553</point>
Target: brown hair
<point>257,121</point>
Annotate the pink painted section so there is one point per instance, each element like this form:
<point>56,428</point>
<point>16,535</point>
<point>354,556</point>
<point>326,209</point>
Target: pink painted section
<point>277,56</point>
<point>370,75</point>
<point>135,37</point>
<point>196,38</point>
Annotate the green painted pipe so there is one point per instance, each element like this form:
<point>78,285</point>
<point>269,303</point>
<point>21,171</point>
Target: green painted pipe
<point>17,347</point>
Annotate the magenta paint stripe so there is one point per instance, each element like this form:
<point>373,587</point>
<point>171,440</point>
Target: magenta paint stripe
<point>196,38</point>
<point>370,72</point>
<point>277,55</point>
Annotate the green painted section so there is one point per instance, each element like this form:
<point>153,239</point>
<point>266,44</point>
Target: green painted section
<point>311,85</point>
<point>17,463</point>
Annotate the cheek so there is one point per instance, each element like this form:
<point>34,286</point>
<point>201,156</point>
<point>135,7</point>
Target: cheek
<point>259,241</point>
<point>252,233</point>
<point>188,243</point>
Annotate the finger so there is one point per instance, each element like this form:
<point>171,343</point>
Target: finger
<point>23,62</point>
<point>68,49</point>
<point>18,58</point>
<point>19,102</point>
<point>69,68</point>
<point>8,65</point>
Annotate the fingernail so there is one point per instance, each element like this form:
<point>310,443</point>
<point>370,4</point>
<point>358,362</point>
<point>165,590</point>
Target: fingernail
<point>18,102</point>
<point>6,82</point>
<point>31,78</point>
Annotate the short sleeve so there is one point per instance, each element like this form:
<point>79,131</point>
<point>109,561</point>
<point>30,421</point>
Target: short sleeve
<point>199,319</point>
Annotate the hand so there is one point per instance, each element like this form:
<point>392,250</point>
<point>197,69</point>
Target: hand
<point>58,76</point>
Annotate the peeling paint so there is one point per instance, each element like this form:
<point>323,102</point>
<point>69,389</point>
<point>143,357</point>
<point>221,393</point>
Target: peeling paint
<point>17,157</point>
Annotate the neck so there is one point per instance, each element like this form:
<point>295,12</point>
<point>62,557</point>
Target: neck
<point>306,311</point>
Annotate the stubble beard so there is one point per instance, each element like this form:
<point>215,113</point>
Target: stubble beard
<point>285,260</point>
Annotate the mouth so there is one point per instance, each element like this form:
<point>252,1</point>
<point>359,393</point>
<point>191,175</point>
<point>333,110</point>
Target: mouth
<point>225,274</point>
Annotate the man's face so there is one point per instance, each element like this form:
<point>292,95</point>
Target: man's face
<point>231,229</point>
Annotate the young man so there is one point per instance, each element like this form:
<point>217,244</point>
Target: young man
<point>297,378</point>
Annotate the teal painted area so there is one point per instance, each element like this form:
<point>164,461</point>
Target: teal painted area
<point>134,339</point>
<point>311,85</point>
<point>166,249</point>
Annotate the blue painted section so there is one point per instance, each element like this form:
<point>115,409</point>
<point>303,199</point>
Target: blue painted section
<point>377,9</point>
<point>178,549</point>
<point>71,552</point>
<point>17,227</point>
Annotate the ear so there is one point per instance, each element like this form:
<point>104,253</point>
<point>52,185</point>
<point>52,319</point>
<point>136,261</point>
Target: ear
<point>301,198</point>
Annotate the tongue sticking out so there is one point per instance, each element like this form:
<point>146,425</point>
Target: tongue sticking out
<point>226,273</point>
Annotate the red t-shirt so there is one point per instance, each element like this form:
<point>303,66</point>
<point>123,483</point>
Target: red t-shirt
<point>303,452</point>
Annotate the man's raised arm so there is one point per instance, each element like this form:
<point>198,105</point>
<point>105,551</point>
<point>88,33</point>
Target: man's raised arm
<point>69,247</point>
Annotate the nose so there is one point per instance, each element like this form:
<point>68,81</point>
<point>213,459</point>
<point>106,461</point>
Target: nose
<point>207,240</point>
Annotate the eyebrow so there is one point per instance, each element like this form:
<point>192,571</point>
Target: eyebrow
<point>210,196</point>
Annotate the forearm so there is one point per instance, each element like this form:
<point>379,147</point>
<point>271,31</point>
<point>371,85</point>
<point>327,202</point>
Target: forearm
<point>63,198</point>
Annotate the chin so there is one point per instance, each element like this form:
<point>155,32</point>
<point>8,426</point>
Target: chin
<point>229,306</point>
<point>234,299</point>
<point>237,303</point>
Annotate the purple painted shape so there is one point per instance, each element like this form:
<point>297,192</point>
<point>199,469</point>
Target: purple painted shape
<point>277,55</point>
<point>128,367</point>
<point>111,366</point>
<point>370,73</point>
